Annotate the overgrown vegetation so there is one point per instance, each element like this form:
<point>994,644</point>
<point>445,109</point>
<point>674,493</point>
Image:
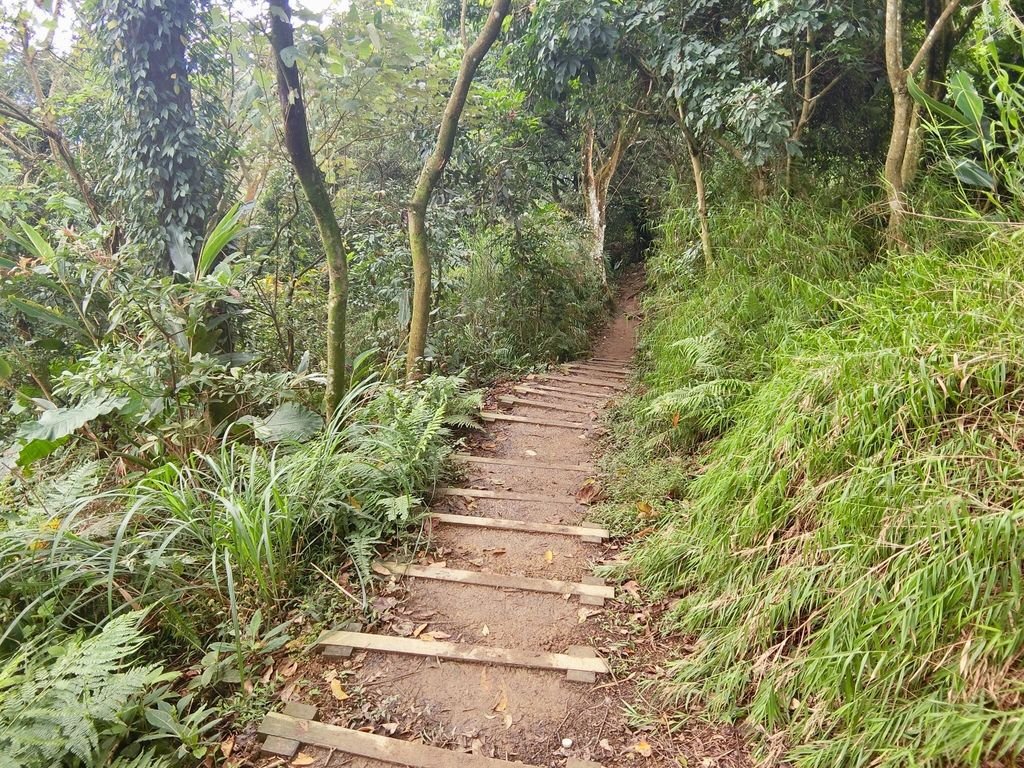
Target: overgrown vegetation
<point>229,232</point>
<point>826,477</point>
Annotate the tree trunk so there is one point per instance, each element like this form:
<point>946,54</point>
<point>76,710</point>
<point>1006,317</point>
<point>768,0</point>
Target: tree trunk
<point>806,104</point>
<point>597,178</point>
<point>430,175</point>
<point>898,167</point>
<point>936,64</point>
<point>697,164</point>
<point>594,201</point>
<point>296,139</point>
<point>47,124</point>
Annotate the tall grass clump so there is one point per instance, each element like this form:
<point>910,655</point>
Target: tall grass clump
<point>779,267</point>
<point>849,564</point>
<point>709,333</point>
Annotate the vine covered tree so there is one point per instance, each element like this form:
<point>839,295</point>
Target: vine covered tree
<point>167,171</point>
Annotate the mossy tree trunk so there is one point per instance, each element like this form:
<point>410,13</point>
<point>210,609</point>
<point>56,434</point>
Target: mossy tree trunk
<point>296,139</point>
<point>428,179</point>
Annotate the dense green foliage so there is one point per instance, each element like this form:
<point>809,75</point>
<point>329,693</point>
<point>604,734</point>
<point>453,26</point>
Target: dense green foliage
<point>822,463</point>
<point>827,469</point>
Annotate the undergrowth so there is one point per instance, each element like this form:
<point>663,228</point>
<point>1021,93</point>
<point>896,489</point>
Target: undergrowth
<point>846,550</point>
<point>241,528</point>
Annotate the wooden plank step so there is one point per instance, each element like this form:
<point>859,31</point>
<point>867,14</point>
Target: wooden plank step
<point>513,401</point>
<point>500,462</point>
<point>600,369</point>
<point>590,594</point>
<point>525,526</point>
<point>490,416</point>
<point>374,747</point>
<point>578,395</point>
<point>587,382</point>
<point>477,654</point>
<point>286,748</point>
<point>477,493</point>
<point>613,360</point>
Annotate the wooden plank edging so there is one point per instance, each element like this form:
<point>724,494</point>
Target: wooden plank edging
<point>521,525</point>
<point>478,654</point>
<point>491,416</point>
<point>477,493</point>
<point>374,747</point>
<point>507,462</point>
<point>579,380</point>
<point>501,581</point>
<point>513,401</point>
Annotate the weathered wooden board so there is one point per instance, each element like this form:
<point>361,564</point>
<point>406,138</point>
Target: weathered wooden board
<point>511,400</point>
<point>281,746</point>
<point>582,661</point>
<point>521,525</point>
<point>507,462</point>
<point>566,393</point>
<point>502,581</point>
<point>601,370</point>
<point>582,380</point>
<point>489,416</point>
<point>476,493</point>
<point>374,747</point>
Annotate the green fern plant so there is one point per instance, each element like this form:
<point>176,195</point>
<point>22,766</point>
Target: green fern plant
<point>66,704</point>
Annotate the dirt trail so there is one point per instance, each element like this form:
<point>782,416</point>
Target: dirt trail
<point>533,716</point>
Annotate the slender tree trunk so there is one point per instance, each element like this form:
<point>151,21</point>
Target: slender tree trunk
<point>593,200</point>
<point>55,139</point>
<point>597,178</point>
<point>431,174</point>
<point>898,167</point>
<point>936,64</point>
<point>463,13</point>
<point>697,165</point>
<point>806,105</point>
<point>296,139</point>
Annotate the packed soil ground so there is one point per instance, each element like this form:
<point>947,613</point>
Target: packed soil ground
<point>534,716</point>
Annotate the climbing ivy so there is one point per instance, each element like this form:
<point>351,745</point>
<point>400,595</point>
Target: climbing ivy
<point>165,177</point>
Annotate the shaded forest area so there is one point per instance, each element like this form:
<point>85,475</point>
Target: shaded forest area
<point>257,258</point>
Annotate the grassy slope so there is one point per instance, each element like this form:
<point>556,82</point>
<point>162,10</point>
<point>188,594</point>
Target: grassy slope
<point>849,554</point>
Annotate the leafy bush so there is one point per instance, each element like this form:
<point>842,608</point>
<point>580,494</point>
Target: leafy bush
<point>527,292</point>
<point>144,365</point>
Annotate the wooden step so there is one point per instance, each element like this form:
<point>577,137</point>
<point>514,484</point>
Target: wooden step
<point>513,401</point>
<point>586,382</point>
<point>372,746</point>
<point>590,594</point>
<point>504,462</point>
<point>609,370</point>
<point>478,493</point>
<point>491,416</point>
<point>286,748</point>
<point>577,395</point>
<point>590,535</point>
<point>477,654</point>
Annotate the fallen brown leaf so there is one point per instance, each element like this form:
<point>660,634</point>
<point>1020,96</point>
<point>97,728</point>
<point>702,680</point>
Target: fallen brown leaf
<point>643,749</point>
